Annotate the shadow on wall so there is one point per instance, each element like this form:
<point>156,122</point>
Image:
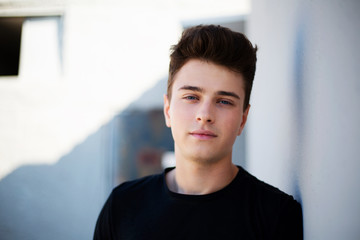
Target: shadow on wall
<point>63,200</point>
<point>59,201</point>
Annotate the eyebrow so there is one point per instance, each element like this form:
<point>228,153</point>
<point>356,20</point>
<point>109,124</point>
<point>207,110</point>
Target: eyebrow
<point>192,88</point>
<point>198,89</point>
<point>230,94</point>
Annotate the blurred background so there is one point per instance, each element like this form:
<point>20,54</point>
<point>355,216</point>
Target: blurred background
<point>81,91</point>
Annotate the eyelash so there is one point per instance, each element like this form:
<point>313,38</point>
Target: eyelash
<point>191,98</point>
<point>225,102</point>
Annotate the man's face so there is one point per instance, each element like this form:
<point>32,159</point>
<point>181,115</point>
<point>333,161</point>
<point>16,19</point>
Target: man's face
<point>205,112</point>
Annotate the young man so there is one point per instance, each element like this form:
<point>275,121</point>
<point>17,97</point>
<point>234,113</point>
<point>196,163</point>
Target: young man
<point>205,196</point>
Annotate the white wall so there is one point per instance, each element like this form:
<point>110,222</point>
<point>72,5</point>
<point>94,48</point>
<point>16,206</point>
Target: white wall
<point>58,124</point>
<point>303,129</point>
<point>57,118</point>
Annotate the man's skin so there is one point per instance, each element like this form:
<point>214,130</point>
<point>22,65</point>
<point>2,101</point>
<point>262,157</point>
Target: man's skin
<point>206,114</point>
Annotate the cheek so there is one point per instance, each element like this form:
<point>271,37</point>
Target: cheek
<point>233,124</point>
<point>179,124</point>
<point>180,112</point>
<point>179,116</point>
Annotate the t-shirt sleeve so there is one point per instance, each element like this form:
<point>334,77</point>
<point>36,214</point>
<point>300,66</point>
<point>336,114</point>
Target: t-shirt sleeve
<point>291,222</point>
<point>103,228</point>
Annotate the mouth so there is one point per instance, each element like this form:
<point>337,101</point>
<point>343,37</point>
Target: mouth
<point>203,134</point>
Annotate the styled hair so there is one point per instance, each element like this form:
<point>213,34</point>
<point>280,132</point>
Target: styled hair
<point>218,45</point>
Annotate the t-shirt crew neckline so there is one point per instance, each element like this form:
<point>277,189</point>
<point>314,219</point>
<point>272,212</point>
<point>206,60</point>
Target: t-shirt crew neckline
<point>200,197</point>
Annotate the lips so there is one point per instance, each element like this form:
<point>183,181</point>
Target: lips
<point>203,134</point>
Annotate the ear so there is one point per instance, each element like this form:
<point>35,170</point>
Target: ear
<point>244,119</point>
<point>166,110</point>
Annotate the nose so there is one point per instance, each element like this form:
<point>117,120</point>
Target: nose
<point>205,113</point>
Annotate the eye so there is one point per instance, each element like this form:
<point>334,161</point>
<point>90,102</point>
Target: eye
<point>225,102</point>
<point>190,97</point>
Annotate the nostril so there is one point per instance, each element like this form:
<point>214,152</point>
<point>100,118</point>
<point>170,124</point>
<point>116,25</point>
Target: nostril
<point>204,119</point>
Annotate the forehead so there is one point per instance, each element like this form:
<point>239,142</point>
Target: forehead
<point>209,76</point>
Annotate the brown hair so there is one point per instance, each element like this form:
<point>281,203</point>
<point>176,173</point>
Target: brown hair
<point>218,45</point>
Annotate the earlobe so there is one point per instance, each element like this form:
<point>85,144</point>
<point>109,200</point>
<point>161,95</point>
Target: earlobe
<point>166,110</point>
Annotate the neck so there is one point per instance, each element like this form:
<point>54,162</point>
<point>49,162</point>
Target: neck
<point>198,179</point>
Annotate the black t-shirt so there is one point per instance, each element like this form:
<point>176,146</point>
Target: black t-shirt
<point>245,209</point>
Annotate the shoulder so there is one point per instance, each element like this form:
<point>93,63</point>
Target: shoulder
<point>129,194</point>
<point>278,209</point>
<point>121,204</point>
<point>261,189</point>
<point>138,186</point>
